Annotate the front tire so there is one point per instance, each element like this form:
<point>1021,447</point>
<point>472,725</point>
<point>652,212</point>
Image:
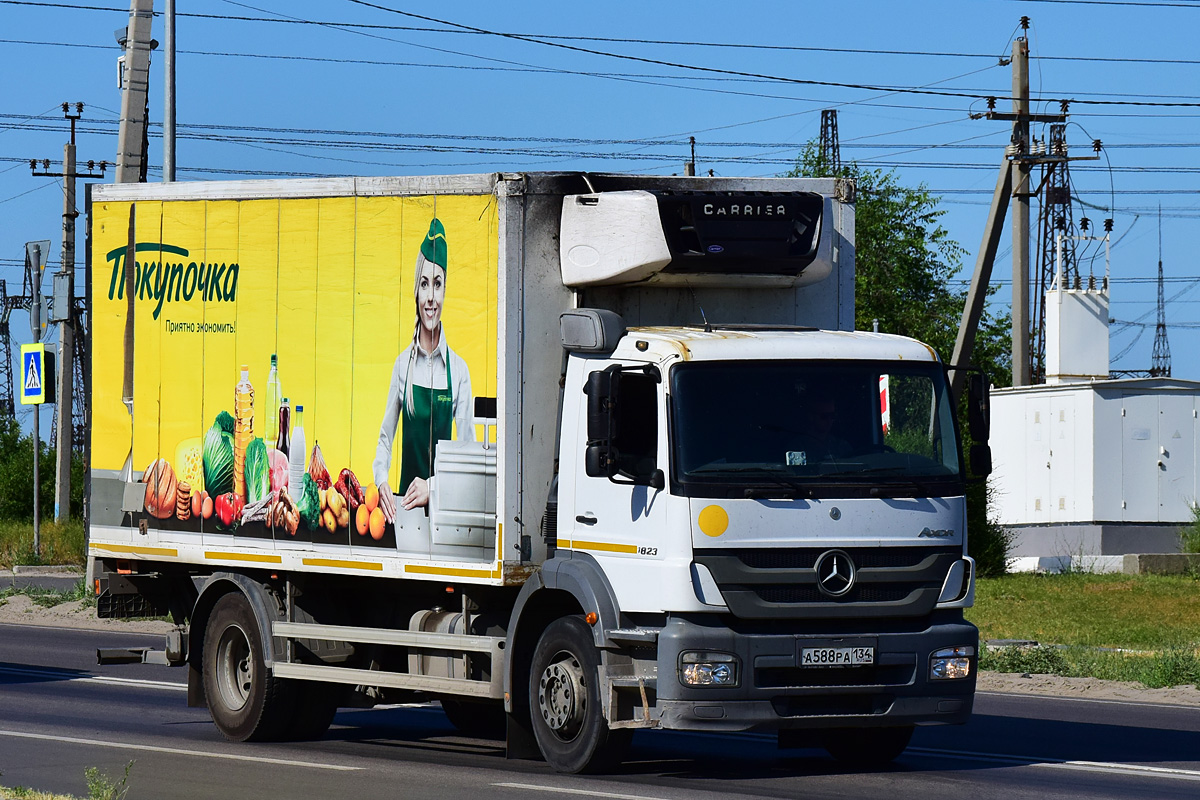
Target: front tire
<point>867,747</point>
<point>246,702</point>
<point>564,700</point>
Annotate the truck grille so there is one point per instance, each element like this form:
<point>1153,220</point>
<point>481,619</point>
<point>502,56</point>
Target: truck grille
<point>804,677</point>
<point>778,583</point>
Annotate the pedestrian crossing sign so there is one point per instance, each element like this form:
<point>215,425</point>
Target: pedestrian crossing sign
<point>33,374</point>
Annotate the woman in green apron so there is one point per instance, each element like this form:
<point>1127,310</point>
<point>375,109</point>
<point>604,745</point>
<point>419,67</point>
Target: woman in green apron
<point>430,388</point>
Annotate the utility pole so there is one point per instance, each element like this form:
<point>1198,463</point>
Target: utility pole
<point>169,96</point>
<point>689,168</point>
<point>63,312</point>
<point>135,84</point>
<point>1020,211</point>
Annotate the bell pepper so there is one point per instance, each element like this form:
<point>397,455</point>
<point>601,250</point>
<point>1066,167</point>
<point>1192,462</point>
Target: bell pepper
<point>229,507</point>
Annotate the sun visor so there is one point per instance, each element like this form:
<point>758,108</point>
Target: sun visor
<point>678,238</point>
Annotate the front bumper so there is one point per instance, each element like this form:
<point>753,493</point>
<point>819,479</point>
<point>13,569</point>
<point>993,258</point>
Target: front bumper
<point>776,693</point>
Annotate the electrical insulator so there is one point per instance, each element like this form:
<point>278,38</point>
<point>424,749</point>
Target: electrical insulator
<point>1097,146</point>
<point>1108,225</point>
<point>1084,224</point>
<point>1060,223</point>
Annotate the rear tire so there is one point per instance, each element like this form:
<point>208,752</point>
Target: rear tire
<point>867,747</point>
<point>564,701</point>
<point>246,702</point>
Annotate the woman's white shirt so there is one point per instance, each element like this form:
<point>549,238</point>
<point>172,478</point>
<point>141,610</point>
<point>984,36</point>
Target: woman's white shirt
<point>429,371</point>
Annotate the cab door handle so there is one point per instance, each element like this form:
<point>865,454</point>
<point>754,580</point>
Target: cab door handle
<point>586,519</point>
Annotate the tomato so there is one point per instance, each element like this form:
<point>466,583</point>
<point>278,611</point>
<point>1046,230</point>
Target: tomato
<point>229,508</point>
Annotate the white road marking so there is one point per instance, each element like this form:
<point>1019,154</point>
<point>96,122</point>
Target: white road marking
<point>1142,703</point>
<point>1057,763</point>
<point>533,787</point>
<point>147,748</point>
<point>62,675</point>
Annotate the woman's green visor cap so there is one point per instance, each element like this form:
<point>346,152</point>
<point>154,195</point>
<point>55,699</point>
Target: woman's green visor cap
<point>434,246</point>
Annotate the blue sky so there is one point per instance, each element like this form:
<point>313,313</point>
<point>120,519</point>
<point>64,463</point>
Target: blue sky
<point>263,91</point>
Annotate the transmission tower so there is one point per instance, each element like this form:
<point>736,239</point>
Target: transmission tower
<point>830,155</point>
<point>7,401</point>
<point>1160,359</point>
<point>1054,219</point>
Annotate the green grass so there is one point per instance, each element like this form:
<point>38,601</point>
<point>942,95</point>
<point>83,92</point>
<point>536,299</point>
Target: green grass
<point>100,786</point>
<point>1138,612</point>
<point>61,544</point>
<point>1084,623</point>
<point>48,598</point>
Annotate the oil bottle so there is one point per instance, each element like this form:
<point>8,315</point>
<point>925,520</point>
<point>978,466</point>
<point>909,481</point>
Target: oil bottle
<point>243,429</point>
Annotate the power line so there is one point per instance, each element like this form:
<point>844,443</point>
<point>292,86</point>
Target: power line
<point>619,40</point>
<point>741,73</point>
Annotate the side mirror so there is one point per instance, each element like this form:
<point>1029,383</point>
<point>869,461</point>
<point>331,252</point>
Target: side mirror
<point>602,389</point>
<point>979,407</point>
<point>981,460</point>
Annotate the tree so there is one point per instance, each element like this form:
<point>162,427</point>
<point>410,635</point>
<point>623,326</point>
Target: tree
<point>904,261</point>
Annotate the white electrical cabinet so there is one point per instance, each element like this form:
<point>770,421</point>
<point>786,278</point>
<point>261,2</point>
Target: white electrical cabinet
<point>1101,453</point>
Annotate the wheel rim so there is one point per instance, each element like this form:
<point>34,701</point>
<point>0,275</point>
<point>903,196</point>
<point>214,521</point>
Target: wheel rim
<point>235,667</point>
<point>562,696</point>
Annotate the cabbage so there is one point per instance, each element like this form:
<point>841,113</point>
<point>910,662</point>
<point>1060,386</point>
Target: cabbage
<point>257,470</point>
<point>309,504</point>
<point>218,456</point>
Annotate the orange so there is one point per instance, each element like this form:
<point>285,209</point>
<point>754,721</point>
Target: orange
<point>372,497</point>
<point>378,521</point>
<point>362,520</point>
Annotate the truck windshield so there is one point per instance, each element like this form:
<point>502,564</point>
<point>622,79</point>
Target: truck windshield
<point>812,429</point>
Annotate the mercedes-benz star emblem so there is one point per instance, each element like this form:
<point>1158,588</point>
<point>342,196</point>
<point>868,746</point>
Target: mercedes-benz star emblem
<point>835,573</point>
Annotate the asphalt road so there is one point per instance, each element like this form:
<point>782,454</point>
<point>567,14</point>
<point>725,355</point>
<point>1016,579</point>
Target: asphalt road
<point>60,713</point>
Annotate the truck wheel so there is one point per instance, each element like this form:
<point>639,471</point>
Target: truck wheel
<point>246,703</point>
<point>867,747</point>
<point>481,720</point>
<point>564,698</point>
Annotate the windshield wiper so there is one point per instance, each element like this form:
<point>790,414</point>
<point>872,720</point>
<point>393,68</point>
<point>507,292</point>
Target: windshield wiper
<point>772,475</point>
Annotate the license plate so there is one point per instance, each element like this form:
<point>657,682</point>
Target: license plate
<point>837,656</point>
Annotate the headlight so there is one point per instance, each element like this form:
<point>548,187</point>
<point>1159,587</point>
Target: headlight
<point>702,668</point>
<point>950,663</point>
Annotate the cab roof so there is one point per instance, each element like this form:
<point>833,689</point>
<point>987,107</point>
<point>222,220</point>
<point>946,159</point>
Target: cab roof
<point>751,342</point>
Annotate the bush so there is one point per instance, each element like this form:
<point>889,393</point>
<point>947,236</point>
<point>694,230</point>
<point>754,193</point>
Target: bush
<point>16,475</point>
<point>1035,660</point>
<point>1177,666</point>
<point>1189,535</point>
<point>987,542</point>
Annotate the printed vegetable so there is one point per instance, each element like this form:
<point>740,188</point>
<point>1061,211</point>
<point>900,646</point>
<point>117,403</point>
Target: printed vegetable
<point>257,471</point>
<point>160,489</point>
<point>310,504</point>
<point>228,508</point>
<point>218,455</point>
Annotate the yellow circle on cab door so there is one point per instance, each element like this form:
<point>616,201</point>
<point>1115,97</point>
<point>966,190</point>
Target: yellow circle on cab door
<point>713,520</point>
